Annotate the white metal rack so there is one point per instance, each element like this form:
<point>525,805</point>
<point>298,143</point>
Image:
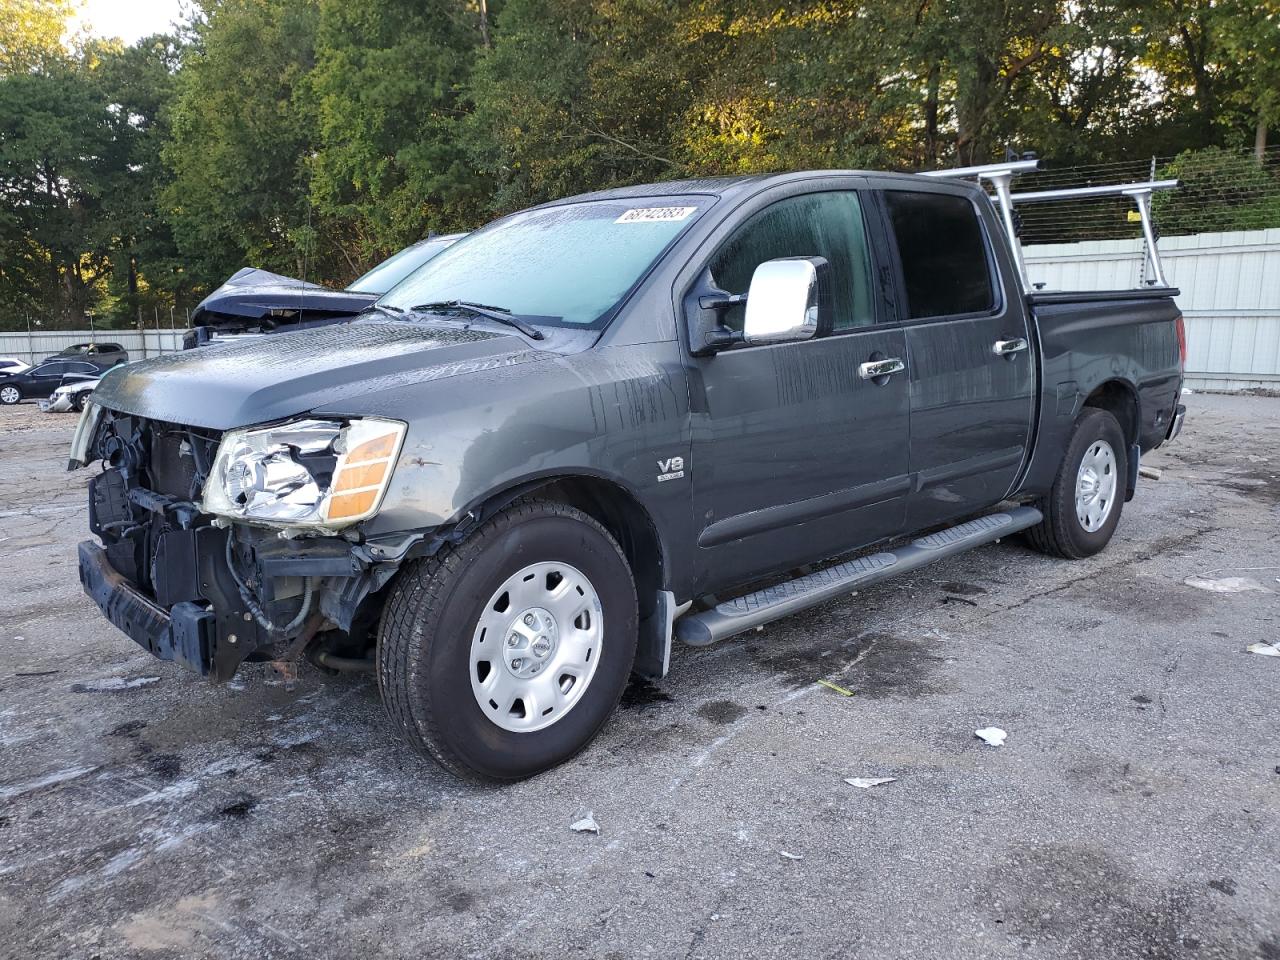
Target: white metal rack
<point>1000,176</point>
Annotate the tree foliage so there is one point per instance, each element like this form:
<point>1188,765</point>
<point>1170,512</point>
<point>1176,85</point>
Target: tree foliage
<point>314,137</point>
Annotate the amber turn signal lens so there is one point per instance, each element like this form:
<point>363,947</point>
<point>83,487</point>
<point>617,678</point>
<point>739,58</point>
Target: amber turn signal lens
<point>353,478</point>
<point>363,470</point>
<point>346,505</point>
<point>379,448</point>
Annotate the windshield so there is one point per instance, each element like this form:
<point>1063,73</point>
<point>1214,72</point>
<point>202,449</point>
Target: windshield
<point>563,266</point>
<point>399,265</point>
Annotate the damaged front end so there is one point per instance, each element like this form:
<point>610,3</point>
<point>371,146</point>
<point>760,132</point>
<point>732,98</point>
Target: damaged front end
<point>222,547</point>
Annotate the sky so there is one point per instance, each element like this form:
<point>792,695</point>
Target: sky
<point>127,19</point>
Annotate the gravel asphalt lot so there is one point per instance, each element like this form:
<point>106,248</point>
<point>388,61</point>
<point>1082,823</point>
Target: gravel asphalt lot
<point>1133,812</point>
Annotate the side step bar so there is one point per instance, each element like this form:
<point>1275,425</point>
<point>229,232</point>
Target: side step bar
<point>783,599</point>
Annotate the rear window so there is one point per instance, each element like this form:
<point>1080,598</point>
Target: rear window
<point>943,252</point>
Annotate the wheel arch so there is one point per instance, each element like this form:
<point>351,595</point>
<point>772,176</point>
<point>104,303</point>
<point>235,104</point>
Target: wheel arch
<point>607,501</point>
<point>620,511</point>
<point>1119,398</point>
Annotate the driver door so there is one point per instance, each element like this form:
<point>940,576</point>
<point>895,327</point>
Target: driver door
<point>796,457</point>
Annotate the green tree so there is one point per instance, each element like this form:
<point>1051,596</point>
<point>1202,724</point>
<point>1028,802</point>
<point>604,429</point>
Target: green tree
<point>1217,190</point>
<point>137,87</point>
<point>54,142</point>
<point>1249,34</point>
<point>243,125</point>
<point>388,86</point>
<point>579,95</point>
<point>31,33</point>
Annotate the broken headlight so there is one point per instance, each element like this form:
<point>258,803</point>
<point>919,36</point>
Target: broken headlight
<point>307,473</point>
<point>86,431</point>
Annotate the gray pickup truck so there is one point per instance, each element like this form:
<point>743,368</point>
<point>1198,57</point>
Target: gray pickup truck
<point>674,411</point>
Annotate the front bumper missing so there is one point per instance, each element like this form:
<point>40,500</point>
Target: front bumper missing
<point>197,616</point>
<point>184,634</point>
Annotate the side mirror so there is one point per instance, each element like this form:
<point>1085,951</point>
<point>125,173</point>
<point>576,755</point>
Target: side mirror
<point>789,299</point>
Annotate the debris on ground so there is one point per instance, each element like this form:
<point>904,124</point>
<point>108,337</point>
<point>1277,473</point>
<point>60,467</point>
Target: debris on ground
<point>1225,584</point>
<point>790,856</point>
<point>586,824</point>
<point>112,684</point>
<point>1150,473</point>
<point>992,736</point>
<point>843,691</point>
<point>866,783</point>
<point>1264,649</point>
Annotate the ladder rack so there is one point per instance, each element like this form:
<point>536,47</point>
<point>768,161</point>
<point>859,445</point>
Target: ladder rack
<point>1000,176</point>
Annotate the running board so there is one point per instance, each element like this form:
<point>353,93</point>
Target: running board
<point>783,599</point>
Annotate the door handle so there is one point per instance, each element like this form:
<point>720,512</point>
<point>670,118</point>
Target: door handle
<point>1003,348</point>
<point>880,368</point>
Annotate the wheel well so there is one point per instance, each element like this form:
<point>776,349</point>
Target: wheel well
<point>1118,399</point>
<point>622,515</point>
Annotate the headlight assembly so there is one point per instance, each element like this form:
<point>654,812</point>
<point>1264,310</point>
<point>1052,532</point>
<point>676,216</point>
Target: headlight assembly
<point>82,441</point>
<point>308,473</point>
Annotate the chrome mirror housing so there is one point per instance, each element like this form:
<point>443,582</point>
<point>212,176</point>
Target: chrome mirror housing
<point>789,299</point>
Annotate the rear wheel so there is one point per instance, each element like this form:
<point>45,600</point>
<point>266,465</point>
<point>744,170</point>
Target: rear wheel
<point>1083,507</point>
<point>10,395</point>
<point>503,656</point>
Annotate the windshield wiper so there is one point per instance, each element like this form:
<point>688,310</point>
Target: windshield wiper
<point>500,314</point>
<point>376,307</point>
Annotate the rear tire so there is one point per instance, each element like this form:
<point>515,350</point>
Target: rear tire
<point>431,664</point>
<point>1083,507</point>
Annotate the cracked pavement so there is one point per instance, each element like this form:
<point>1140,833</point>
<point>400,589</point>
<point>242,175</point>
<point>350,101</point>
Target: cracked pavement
<point>1134,810</point>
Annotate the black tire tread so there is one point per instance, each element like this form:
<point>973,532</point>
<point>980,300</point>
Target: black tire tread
<point>1051,535</point>
<point>410,612</point>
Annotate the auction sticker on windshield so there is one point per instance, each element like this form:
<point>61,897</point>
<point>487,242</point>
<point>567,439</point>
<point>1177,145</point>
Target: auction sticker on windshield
<point>655,214</point>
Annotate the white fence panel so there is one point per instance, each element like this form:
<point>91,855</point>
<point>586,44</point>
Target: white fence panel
<point>1230,285</point>
<point>38,344</point>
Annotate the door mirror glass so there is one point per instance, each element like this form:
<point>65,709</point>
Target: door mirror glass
<point>789,299</point>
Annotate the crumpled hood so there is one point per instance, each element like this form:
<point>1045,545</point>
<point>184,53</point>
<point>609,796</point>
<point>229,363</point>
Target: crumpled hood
<point>251,293</point>
<point>245,382</point>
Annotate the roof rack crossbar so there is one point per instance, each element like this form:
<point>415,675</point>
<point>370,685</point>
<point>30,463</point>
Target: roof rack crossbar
<point>1141,196</point>
<point>1085,193</point>
<point>984,170</point>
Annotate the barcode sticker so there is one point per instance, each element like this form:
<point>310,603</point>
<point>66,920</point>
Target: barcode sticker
<point>656,214</point>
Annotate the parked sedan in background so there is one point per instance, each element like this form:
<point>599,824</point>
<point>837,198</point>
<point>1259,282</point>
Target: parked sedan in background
<point>256,301</point>
<point>13,365</point>
<point>70,397</point>
<point>41,380</point>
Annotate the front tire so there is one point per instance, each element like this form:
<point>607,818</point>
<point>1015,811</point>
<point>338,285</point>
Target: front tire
<point>1083,507</point>
<point>78,399</point>
<point>502,656</point>
<point>9,395</point>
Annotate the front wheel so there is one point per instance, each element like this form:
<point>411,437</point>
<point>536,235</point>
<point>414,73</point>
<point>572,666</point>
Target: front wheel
<point>1083,507</point>
<point>503,656</point>
<point>78,399</point>
<point>9,395</point>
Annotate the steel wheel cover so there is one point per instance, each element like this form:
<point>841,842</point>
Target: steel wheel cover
<point>1096,486</point>
<point>536,646</point>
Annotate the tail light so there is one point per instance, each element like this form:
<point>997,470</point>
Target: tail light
<point>1181,326</point>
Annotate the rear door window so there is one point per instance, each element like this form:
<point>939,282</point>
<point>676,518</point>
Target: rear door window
<point>826,225</point>
<point>943,249</point>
